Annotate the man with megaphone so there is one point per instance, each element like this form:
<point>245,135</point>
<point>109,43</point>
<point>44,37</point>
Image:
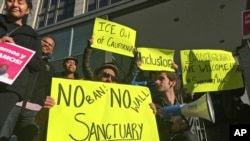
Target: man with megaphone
<point>172,128</point>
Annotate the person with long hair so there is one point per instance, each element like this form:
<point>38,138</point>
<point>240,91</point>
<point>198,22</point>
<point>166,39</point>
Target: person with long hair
<point>14,30</point>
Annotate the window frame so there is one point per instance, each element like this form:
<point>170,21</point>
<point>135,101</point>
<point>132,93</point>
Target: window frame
<point>46,9</point>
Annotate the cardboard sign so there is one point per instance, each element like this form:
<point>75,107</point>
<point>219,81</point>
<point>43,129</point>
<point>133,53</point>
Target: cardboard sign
<point>156,59</point>
<point>205,70</point>
<point>113,37</point>
<point>98,111</point>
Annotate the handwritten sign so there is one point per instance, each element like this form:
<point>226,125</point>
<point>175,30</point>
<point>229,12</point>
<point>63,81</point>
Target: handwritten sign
<point>113,37</point>
<point>156,59</point>
<point>13,58</point>
<point>209,70</point>
<point>98,111</point>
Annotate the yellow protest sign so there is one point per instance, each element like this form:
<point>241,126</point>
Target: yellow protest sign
<point>205,70</point>
<point>113,37</point>
<point>156,59</point>
<point>98,111</point>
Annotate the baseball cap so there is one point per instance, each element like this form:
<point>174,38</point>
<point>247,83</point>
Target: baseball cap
<point>70,58</point>
<point>107,65</point>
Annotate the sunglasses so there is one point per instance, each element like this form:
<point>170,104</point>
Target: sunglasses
<point>107,75</point>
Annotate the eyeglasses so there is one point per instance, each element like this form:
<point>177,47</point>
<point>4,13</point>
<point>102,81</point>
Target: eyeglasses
<point>47,43</point>
<point>107,75</point>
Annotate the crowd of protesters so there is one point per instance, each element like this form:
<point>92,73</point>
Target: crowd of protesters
<point>24,105</point>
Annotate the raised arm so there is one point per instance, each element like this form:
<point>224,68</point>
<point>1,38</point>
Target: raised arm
<point>134,68</point>
<point>86,69</point>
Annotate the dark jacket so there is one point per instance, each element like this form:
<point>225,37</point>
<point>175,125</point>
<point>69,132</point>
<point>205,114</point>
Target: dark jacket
<point>63,74</point>
<point>89,74</point>
<point>164,124</point>
<point>24,36</point>
<point>133,72</point>
<point>86,69</point>
<point>43,83</point>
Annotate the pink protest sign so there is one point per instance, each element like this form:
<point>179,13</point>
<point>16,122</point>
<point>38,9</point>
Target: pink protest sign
<point>13,58</point>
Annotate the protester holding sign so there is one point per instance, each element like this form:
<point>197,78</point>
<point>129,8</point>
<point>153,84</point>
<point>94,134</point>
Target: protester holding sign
<point>44,86</point>
<point>112,69</point>
<point>106,73</point>
<point>22,118</point>
<point>13,30</point>
<point>176,128</point>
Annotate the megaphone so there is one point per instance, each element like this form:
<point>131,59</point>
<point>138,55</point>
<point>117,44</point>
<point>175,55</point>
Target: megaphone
<point>202,107</point>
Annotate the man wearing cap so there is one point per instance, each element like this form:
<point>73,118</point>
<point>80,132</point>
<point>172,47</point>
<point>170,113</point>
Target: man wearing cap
<point>105,73</point>
<point>70,66</point>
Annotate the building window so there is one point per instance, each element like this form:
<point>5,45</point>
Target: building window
<point>72,40</point>
<point>53,11</point>
<point>97,4</point>
<point>114,1</point>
